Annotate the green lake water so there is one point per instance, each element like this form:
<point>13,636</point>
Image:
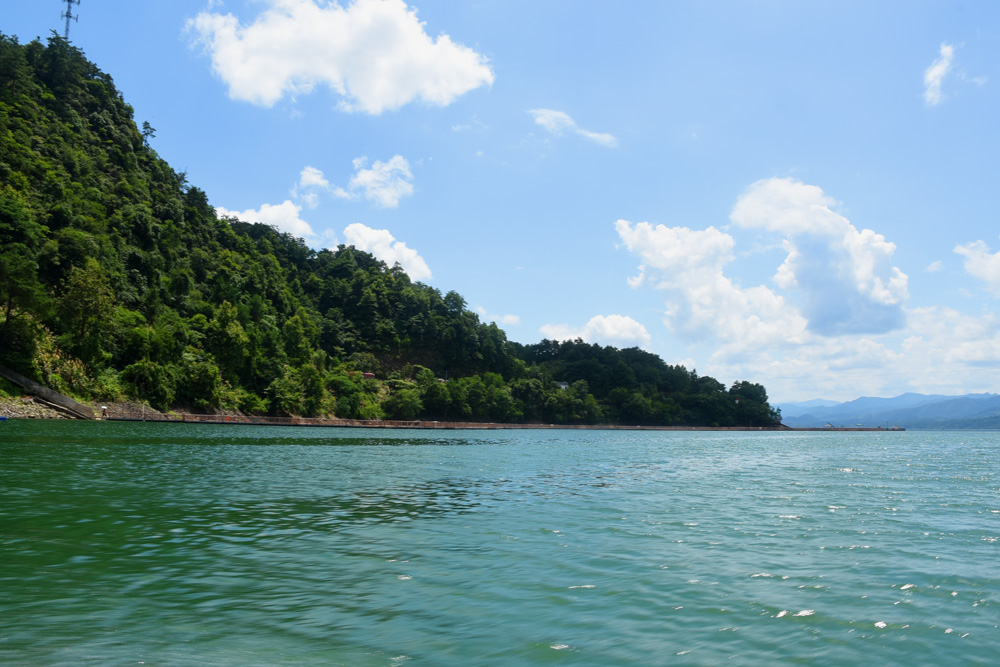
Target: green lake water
<point>179,544</point>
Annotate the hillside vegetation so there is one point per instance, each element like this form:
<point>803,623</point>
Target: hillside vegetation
<point>118,280</point>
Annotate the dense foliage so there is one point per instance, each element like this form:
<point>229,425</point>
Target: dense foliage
<point>117,280</point>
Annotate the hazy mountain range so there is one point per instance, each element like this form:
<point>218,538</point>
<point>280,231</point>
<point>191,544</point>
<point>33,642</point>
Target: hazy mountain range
<point>912,411</point>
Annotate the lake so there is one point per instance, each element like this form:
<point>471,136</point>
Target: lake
<point>171,544</point>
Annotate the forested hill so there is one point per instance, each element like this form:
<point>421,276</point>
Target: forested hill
<point>117,280</point>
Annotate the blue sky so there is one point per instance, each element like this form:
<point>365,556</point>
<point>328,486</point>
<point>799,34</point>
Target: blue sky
<point>801,194</point>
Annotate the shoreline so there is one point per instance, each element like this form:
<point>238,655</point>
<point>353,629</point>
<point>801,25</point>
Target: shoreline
<point>26,407</point>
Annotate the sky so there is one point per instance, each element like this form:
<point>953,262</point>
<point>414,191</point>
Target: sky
<point>800,194</point>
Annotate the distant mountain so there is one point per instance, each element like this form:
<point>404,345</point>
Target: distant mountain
<point>914,411</point>
<point>795,408</point>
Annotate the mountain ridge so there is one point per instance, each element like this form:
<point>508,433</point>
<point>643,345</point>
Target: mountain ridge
<point>909,410</point>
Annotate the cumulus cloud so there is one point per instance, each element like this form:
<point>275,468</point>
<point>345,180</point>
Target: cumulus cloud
<point>310,180</point>
<point>383,245</point>
<point>506,320</point>
<point>384,183</point>
<point>845,276</point>
<point>375,54</point>
<point>832,320</point>
<point>313,177</point>
<point>284,216</point>
<point>559,122</point>
<point>608,329</point>
<point>935,74</point>
<point>982,264</point>
<point>688,265</point>
<point>832,298</point>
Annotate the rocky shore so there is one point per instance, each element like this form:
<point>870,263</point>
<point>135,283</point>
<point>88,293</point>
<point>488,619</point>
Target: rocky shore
<point>26,407</point>
<point>29,407</point>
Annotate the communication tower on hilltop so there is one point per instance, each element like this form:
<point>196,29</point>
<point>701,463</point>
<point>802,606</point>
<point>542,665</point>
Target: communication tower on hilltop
<point>69,15</point>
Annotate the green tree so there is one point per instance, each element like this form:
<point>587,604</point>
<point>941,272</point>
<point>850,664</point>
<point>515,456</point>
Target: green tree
<point>151,381</point>
<point>228,340</point>
<point>403,404</point>
<point>436,399</point>
<point>285,394</point>
<point>203,386</point>
<point>20,289</point>
<point>313,389</point>
<point>86,306</point>
<point>148,132</point>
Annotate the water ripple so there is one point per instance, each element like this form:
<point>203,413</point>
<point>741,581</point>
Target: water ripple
<point>173,544</point>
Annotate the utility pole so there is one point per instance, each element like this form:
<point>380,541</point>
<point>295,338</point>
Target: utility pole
<point>68,15</point>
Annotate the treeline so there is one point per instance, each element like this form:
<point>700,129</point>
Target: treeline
<point>118,281</point>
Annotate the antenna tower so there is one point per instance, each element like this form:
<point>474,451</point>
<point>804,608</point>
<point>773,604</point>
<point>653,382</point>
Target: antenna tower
<point>68,15</point>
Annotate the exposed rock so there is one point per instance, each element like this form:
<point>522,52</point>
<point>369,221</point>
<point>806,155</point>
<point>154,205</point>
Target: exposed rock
<point>26,407</point>
<point>127,410</point>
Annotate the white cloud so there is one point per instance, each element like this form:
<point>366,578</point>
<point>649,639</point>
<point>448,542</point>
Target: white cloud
<point>284,216</point>
<point>935,266</point>
<point>941,352</point>
<point>702,302</point>
<point>982,264</point>
<point>555,122</point>
<point>312,177</point>
<point>771,334</point>
<point>935,74</point>
<point>506,320</point>
<point>384,183</point>
<point>608,329</point>
<point>384,246</point>
<point>375,54</point>
<point>845,277</point>
<point>558,122</point>
<point>835,302</point>
<point>942,338</point>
